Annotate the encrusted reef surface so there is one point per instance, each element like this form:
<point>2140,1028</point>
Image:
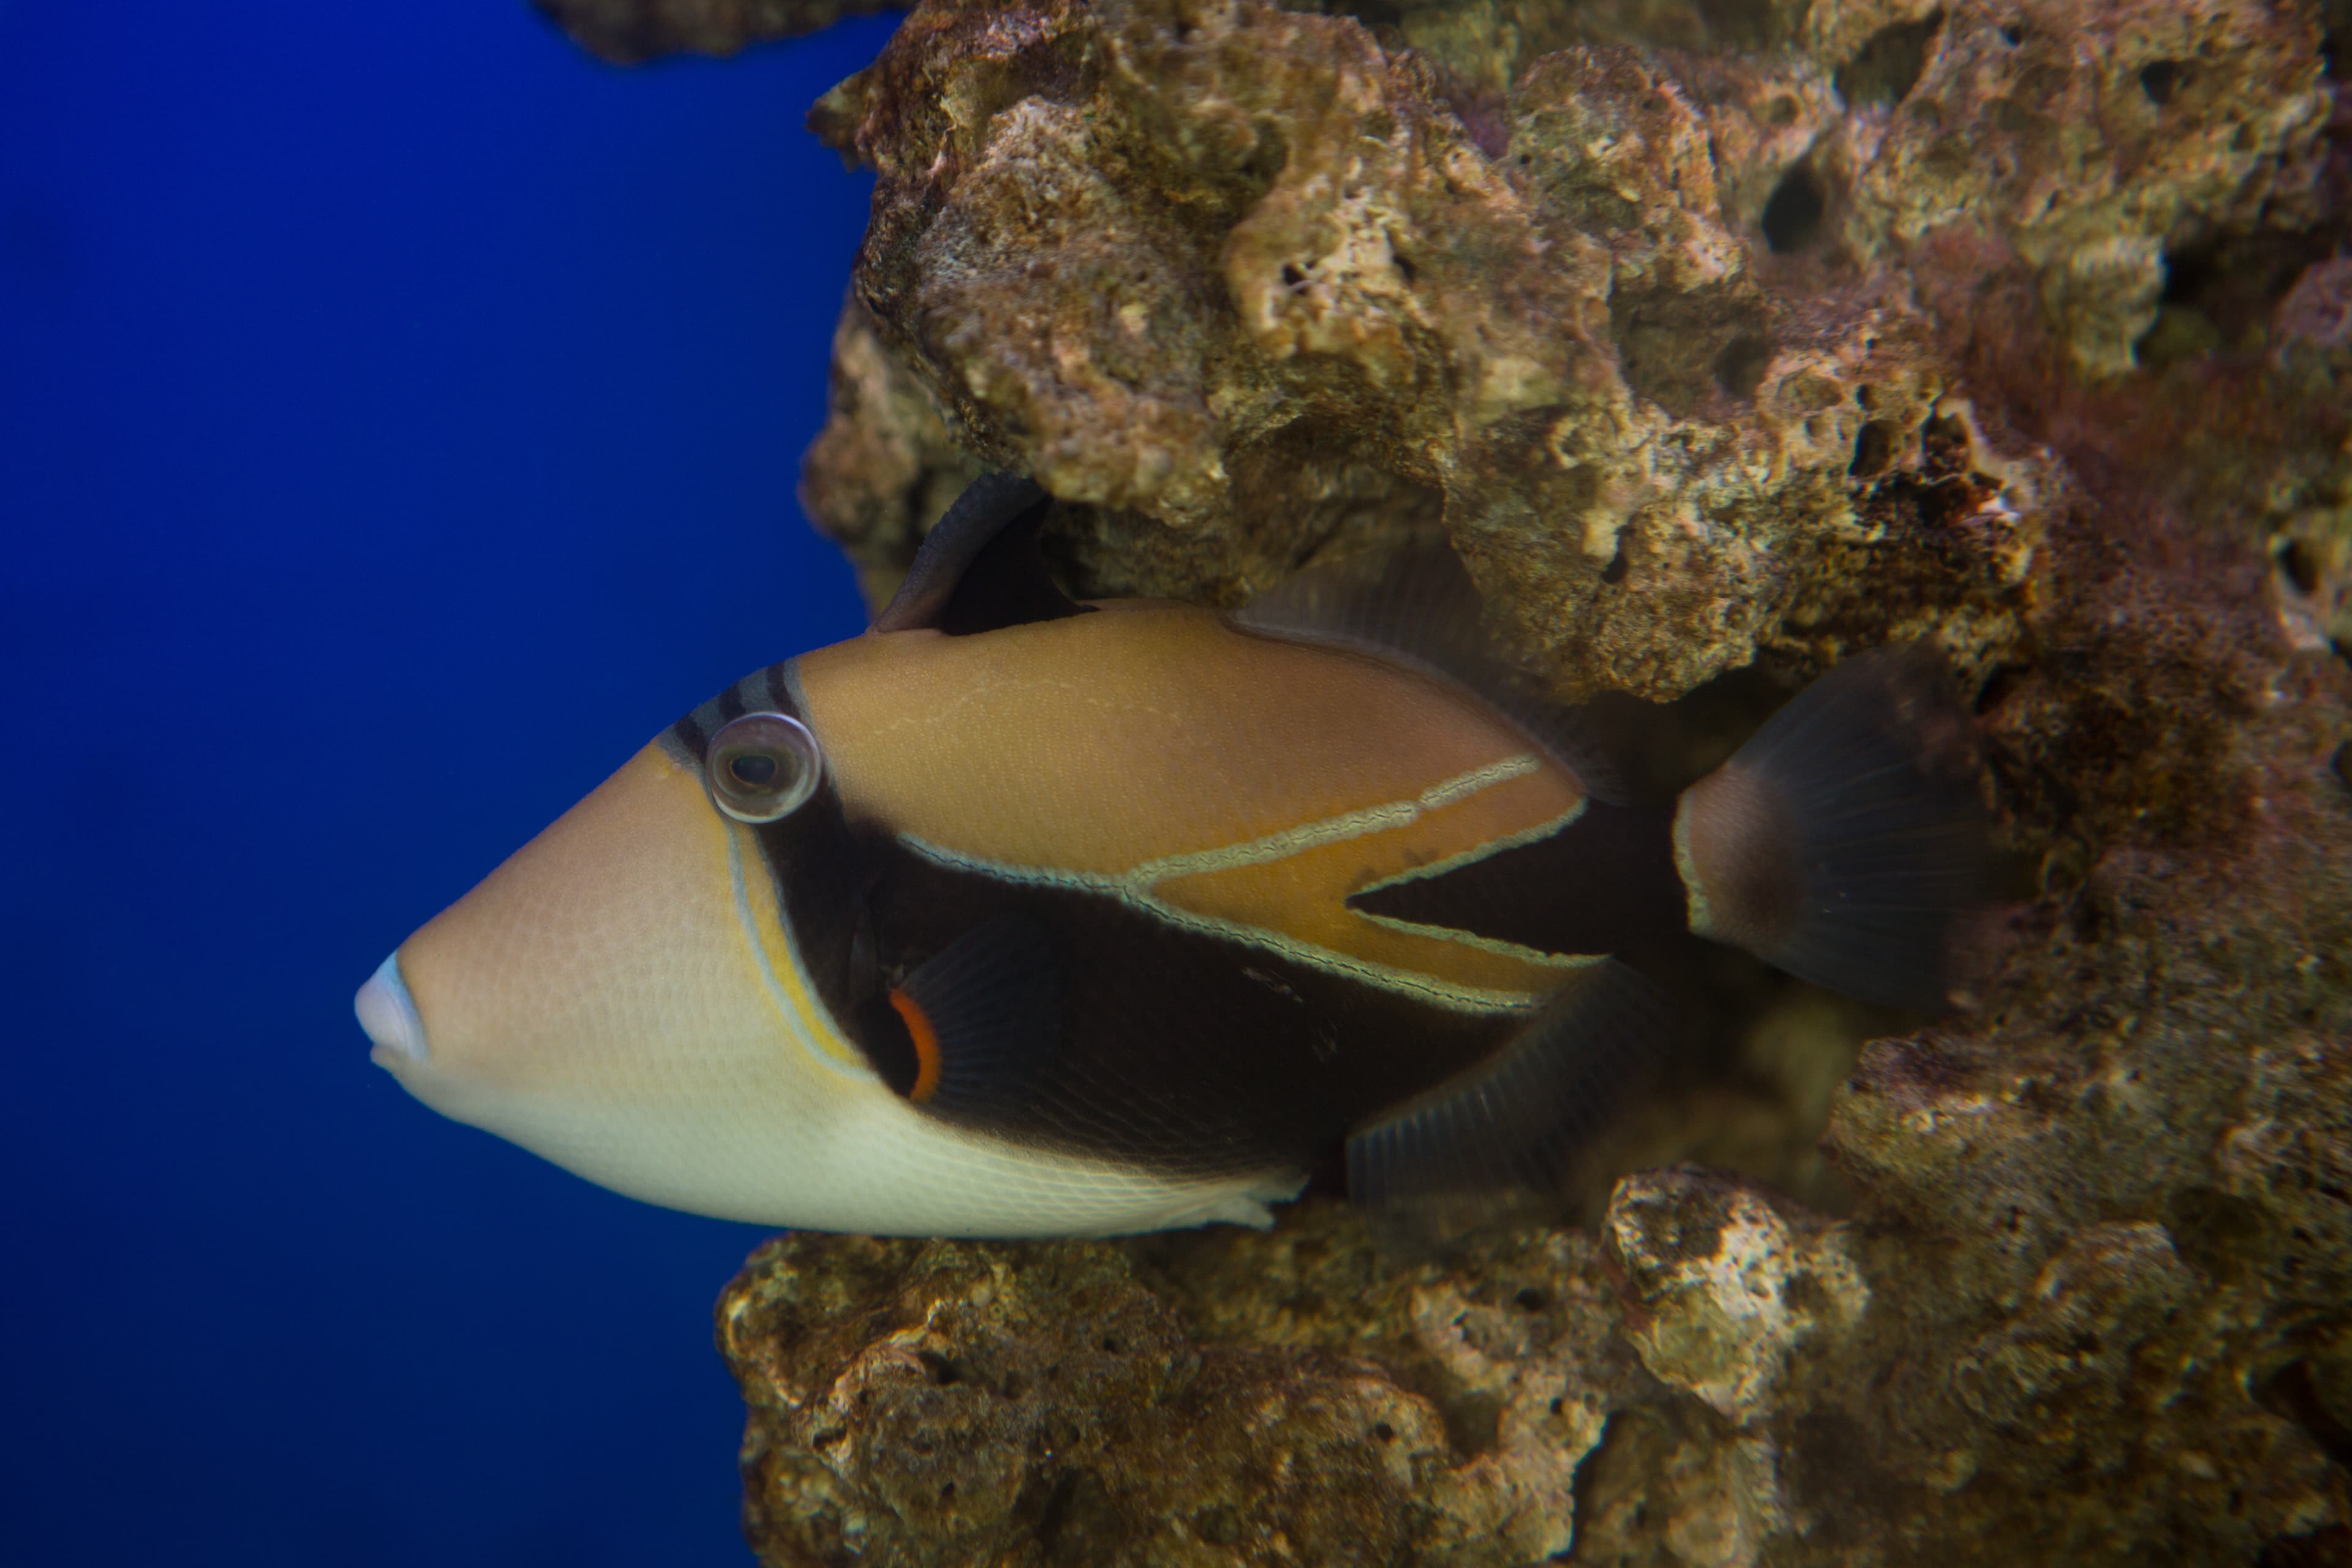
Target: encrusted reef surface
<point>1720,336</point>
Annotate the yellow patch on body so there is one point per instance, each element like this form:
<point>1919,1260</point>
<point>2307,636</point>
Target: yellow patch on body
<point>1234,778</point>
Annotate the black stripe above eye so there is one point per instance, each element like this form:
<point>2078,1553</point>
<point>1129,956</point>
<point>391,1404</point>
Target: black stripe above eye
<point>780,691</point>
<point>731,706</point>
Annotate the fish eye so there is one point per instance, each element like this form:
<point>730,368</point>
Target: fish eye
<point>763,766</point>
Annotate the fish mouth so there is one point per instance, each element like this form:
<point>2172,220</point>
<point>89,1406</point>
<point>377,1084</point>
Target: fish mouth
<point>388,1014</point>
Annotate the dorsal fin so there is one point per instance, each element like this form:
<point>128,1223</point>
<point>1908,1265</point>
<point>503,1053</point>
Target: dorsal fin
<point>979,568</point>
<point>1416,606</point>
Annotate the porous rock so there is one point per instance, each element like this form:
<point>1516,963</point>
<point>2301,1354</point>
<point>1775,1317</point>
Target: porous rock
<point>1715,336</point>
<point>1243,283</point>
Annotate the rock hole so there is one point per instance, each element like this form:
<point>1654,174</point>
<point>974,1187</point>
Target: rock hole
<point>2342,764</point>
<point>1529,1299</point>
<point>2013,35</point>
<point>1613,573</point>
<point>943,1372</point>
<point>1407,270</point>
<point>2160,80</point>
<point>1291,276</point>
<point>826,1438</point>
<point>1014,1385</point>
<point>1558,1405</point>
<point>1383,1431</point>
<point>947,1491</point>
<point>1783,112</point>
<point>2300,567</point>
<point>1109,1345</point>
<point>1865,397</point>
<point>1474,1424</point>
<point>2329,1546</point>
<point>1057,1510</point>
<point>1739,368</point>
<point>1218,1525</point>
<point>1874,448</point>
<point>2293,1394</point>
<point>1792,217</point>
<point>1890,61</point>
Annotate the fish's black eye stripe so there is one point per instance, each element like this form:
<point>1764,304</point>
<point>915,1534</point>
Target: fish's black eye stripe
<point>780,692</point>
<point>820,867</point>
<point>731,705</point>
<point>690,738</point>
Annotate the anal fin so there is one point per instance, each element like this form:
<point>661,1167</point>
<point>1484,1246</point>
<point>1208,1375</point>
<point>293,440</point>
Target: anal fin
<point>1509,1130</point>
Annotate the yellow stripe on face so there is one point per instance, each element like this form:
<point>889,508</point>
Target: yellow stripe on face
<point>781,975</point>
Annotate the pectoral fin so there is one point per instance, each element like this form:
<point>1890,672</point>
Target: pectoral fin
<point>975,1026</point>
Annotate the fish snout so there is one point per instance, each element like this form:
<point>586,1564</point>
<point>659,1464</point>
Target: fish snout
<point>388,1014</point>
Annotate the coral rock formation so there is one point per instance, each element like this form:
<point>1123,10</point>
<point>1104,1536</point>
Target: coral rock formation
<point>1714,335</point>
<point>1241,280</point>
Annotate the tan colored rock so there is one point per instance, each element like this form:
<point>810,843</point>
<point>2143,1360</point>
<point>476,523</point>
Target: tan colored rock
<point>961,1402</point>
<point>2094,135</point>
<point>1216,266</point>
<point>884,467</point>
<point>1728,1289</point>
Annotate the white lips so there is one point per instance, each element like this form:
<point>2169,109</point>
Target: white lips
<point>389,1016</point>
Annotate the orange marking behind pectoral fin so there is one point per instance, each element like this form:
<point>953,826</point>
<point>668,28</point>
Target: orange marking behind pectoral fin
<point>927,1045</point>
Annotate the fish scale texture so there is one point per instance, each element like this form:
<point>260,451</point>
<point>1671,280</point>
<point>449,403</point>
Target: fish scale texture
<point>1713,334</point>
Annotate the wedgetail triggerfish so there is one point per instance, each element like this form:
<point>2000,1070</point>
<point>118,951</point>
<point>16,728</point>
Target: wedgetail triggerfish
<point>1021,916</point>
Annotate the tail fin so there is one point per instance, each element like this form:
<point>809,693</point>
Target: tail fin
<point>1845,841</point>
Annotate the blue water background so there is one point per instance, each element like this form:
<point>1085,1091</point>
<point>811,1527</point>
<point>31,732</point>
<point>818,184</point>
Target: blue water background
<point>399,416</point>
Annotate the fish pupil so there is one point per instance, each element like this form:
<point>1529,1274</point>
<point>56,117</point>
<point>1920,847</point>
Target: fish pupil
<point>756,771</point>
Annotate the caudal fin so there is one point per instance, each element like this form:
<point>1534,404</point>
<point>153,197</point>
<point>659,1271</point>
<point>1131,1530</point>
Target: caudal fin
<point>1845,842</point>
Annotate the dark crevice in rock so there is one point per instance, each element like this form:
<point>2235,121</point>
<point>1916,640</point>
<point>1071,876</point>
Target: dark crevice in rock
<point>2294,1393</point>
<point>1793,215</point>
<point>1888,65</point>
<point>1874,448</point>
<point>2299,566</point>
<point>2327,1547</point>
<point>2160,80</point>
<point>2223,290</point>
<point>1741,366</point>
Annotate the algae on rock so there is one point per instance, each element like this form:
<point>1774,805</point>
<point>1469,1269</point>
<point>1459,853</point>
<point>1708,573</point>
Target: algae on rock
<point>1717,337</point>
